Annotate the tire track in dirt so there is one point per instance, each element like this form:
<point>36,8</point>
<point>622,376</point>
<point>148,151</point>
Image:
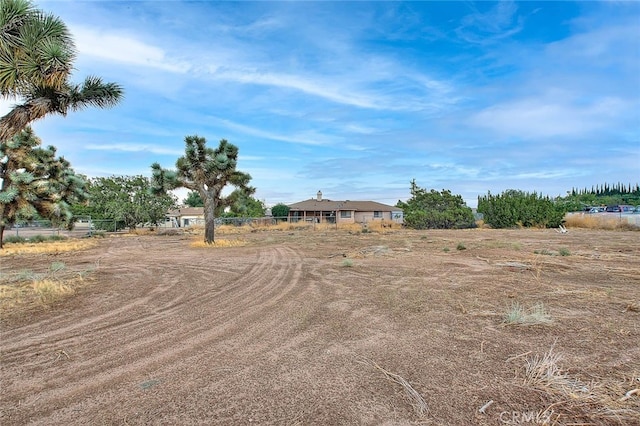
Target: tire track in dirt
<point>125,248</point>
<point>274,275</point>
<point>166,279</point>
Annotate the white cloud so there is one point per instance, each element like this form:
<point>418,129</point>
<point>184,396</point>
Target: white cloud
<point>305,138</point>
<point>312,86</point>
<point>125,49</point>
<point>542,117</point>
<point>496,24</point>
<point>132,147</point>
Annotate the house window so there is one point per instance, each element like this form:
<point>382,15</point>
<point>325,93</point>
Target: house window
<point>377,215</point>
<point>345,214</point>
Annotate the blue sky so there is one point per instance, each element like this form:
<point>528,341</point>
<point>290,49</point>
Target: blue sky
<point>357,99</point>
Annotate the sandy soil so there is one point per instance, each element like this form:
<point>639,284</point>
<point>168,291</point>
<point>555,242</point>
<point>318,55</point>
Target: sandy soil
<point>299,327</point>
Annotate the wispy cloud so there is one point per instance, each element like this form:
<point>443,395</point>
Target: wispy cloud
<point>125,49</point>
<point>498,23</point>
<point>532,118</point>
<point>313,86</point>
<point>132,147</point>
<point>306,138</point>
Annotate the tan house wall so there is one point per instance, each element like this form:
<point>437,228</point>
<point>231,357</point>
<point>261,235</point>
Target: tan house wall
<point>368,216</point>
<point>341,219</point>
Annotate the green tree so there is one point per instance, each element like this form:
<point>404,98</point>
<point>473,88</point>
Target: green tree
<point>241,204</point>
<point>193,199</point>
<point>207,171</point>
<point>36,60</point>
<point>433,209</point>
<point>280,210</point>
<point>128,200</point>
<point>35,182</point>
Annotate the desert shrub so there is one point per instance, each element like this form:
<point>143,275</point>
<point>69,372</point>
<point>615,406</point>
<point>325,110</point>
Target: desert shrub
<point>517,208</point>
<point>57,266</point>
<point>37,239</point>
<point>14,239</point>
<point>347,263</point>
<point>461,246</point>
<point>543,252</point>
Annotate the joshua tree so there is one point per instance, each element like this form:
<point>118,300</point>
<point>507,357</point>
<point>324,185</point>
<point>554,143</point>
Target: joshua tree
<point>34,182</point>
<point>206,171</point>
<point>36,60</point>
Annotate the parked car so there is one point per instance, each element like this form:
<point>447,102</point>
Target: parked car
<point>596,210</point>
<point>620,208</point>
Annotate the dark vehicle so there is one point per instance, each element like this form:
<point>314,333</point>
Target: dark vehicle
<point>622,208</point>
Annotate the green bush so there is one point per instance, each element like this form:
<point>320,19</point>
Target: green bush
<point>37,239</point>
<point>517,208</point>
<point>435,210</point>
<point>14,239</point>
<point>280,210</point>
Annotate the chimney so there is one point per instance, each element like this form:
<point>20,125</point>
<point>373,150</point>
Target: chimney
<point>319,194</point>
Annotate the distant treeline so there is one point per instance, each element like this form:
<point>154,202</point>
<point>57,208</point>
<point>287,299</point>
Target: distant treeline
<point>602,195</point>
<point>432,209</point>
<point>606,190</point>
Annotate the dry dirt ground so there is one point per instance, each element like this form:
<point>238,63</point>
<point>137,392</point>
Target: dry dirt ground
<point>333,328</point>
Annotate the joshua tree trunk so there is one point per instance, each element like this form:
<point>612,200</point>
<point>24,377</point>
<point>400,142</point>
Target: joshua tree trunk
<point>209,215</point>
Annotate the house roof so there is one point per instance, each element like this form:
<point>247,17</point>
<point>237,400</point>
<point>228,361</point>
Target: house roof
<point>186,211</point>
<point>313,204</point>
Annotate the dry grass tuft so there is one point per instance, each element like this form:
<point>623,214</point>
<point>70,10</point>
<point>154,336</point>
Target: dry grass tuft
<point>589,404</point>
<point>46,247</point>
<point>50,291</point>
<point>218,243</point>
<point>16,298</point>
<point>142,231</point>
<point>24,290</point>
<point>373,226</point>
<point>417,401</point>
<point>227,229</point>
<point>544,371</point>
<point>519,315</point>
<point>598,222</point>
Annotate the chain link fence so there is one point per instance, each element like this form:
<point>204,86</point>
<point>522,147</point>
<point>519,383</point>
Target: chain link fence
<point>81,228</point>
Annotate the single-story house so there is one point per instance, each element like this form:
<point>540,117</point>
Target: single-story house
<point>321,210</point>
<point>184,217</point>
